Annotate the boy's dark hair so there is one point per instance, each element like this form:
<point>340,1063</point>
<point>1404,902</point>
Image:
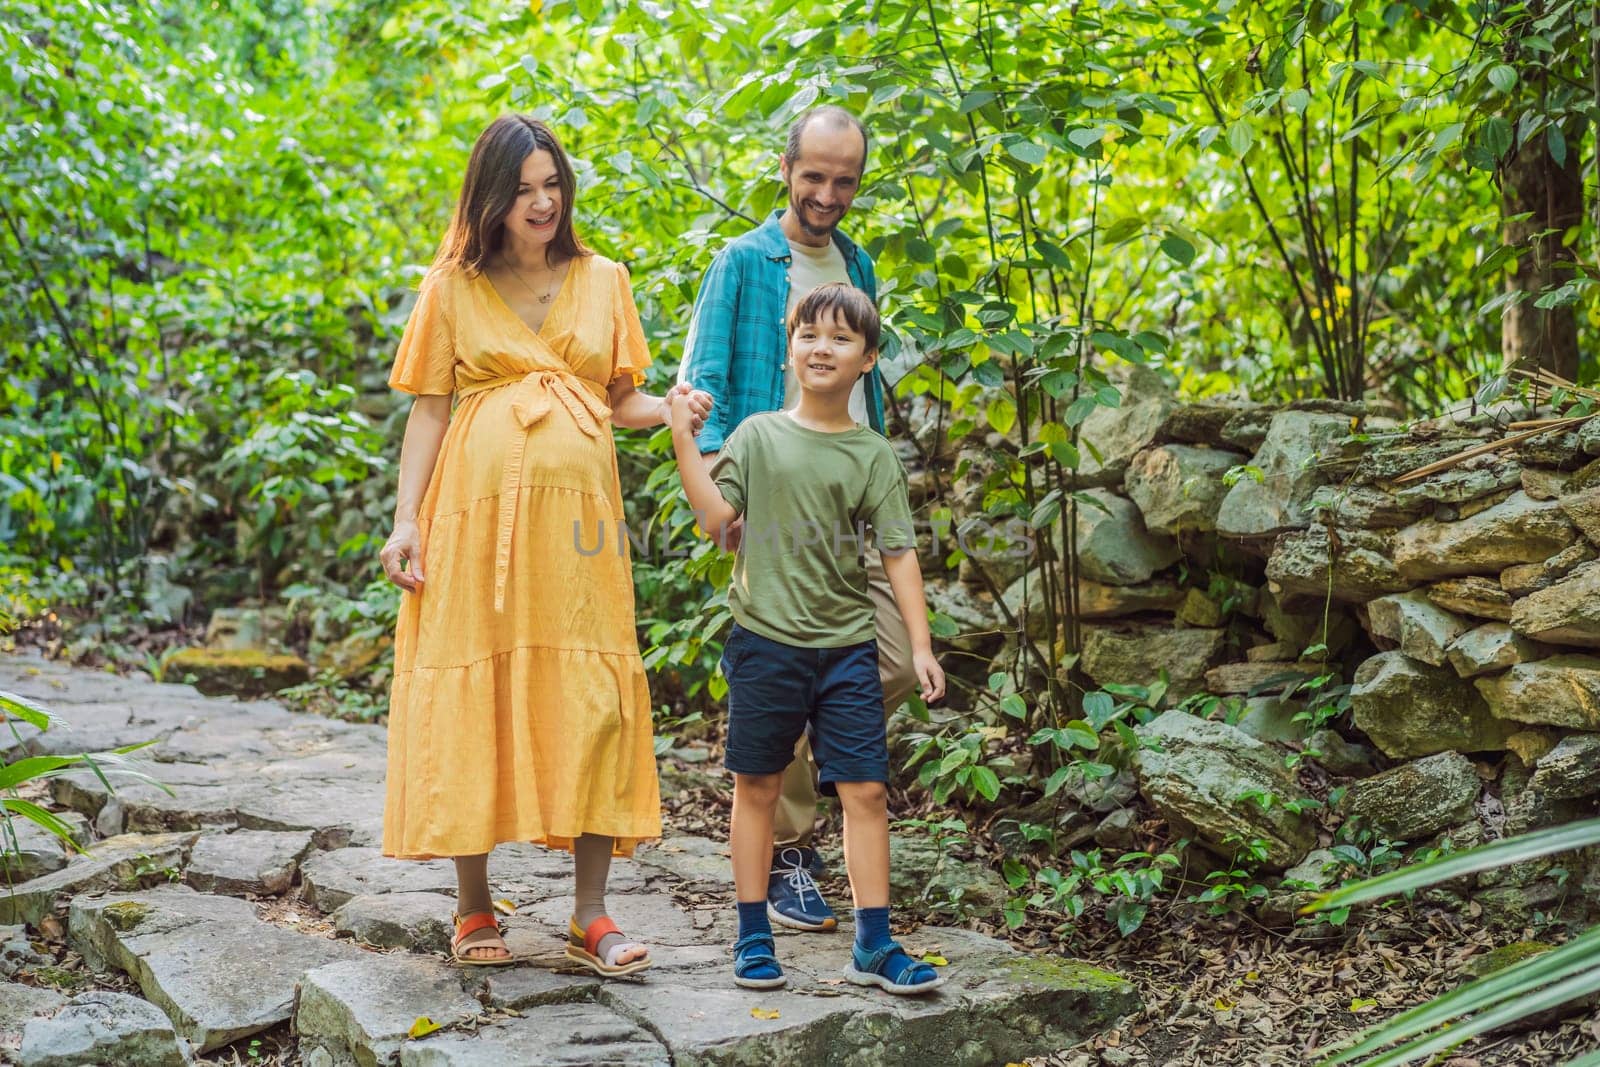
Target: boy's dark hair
<point>844,302</point>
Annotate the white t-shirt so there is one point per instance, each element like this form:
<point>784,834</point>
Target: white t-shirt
<point>808,268</point>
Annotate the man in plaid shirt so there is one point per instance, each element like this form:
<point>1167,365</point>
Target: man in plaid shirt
<point>736,351</point>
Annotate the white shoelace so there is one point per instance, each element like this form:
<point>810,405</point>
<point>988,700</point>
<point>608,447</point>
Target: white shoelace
<point>797,875</point>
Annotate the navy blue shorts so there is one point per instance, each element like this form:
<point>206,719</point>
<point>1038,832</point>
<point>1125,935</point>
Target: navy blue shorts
<point>776,692</point>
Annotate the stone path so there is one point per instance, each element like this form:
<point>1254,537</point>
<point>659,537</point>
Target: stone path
<point>183,891</point>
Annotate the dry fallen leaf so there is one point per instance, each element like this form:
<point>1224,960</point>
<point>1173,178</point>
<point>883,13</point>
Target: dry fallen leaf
<point>935,961</point>
<point>764,1013</point>
<point>505,907</point>
<point>1361,1004</point>
<point>422,1027</point>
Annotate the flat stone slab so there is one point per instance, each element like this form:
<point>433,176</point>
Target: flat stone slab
<point>260,862</point>
<point>420,922</point>
<point>557,1035</point>
<point>216,970</point>
<point>998,1006</point>
<point>362,1010</point>
<point>127,861</point>
<point>332,879</point>
<point>18,1004</point>
<point>102,1027</point>
<point>35,851</point>
<point>695,860</point>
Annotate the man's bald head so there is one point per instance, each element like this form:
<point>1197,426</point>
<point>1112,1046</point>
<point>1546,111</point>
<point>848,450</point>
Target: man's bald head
<point>831,122</point>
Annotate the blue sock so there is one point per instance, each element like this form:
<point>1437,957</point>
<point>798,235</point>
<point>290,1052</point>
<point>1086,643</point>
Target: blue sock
<point>872,928</point>
<point>753,919</point>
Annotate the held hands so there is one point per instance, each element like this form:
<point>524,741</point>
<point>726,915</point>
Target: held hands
<point>404,544</point>
<point>685,401</point>
<point>930,676</point>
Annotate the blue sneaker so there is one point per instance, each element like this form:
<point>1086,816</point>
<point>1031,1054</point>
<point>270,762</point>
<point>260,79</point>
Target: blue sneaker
<point>793,899</point>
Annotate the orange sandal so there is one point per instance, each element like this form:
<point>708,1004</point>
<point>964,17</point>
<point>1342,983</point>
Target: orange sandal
<point>466,926</point>
<point>583,946</point>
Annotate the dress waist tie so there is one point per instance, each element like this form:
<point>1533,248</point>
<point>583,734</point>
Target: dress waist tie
<point>537,395</point>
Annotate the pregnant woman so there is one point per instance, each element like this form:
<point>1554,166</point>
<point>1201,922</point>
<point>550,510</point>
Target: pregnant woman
<point>519,710</point>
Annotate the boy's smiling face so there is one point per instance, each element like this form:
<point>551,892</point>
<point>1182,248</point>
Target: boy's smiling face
<point>827,355</point>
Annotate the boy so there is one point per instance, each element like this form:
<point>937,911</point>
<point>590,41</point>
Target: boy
<point>802,653</point>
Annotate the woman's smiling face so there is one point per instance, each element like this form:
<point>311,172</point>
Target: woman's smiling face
<point>535,214</point>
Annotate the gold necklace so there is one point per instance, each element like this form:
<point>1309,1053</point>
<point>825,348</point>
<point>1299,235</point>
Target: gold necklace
<point>548,293</point>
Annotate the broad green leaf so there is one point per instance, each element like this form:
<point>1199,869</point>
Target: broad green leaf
<point>1178,249</point>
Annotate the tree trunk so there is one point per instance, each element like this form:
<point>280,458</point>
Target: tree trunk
<point>1551,196</point>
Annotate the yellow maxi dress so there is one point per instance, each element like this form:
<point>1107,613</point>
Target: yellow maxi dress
<point>519,710</point>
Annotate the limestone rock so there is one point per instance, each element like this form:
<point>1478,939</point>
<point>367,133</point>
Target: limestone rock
<point>28,850</point>
<point>1199,779</point>
<point>1237,679</point>
<point>1583,508</point>
<point>1482,597</point>
<point>420,922</point>
<point>1281,500</point>
<point>1559,691</point>
<point>332,878</point>
<point>1569,770</point>
<point>1519,530</point>
<point>921,871</point>
<point>1566,613</point>
<point>20,1003</point>
<point>1010,1007</point>
<point>690,859</point>
<point>244,628</point>
<point>1199,423</point>
<point>1272,719</point>
<point>102,1027</point>
<point>244,672</point>
<point>1559,450</point>
<point>1301,630</point>
<point>17,953</point>
<point>361,1010</point>
<point>1099,601</point>
<point>1413,622</point>
<point>1138,655</point>
<point>1118,830</point>
<point>1542,484</point>
<point>1364,507</point>
<point>1363,565</point>
<point>1342,757</point>
<point>1413,709</point>
<point>1118,434</point>
<point>1247,429</point>
<point>1386,463</point>
<point>1416,800</point>
<point>261,862</point>
<point>1462,485</point>
<point>1179,487</point>
<point>1198,609</point>
<point>1491,647</point>
<point>1113,544</point>
<point>1319,870</point>
<point>972,611</point>
<point>217,971</point>
<point>124,862</point>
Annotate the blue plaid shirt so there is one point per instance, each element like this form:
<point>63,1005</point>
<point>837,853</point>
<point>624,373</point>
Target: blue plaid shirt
<point>738,337</point>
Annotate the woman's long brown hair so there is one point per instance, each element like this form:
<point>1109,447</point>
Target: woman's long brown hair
<point>490,188</point>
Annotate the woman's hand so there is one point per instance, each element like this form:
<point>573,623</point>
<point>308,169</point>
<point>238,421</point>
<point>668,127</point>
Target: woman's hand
<point>696,402</point>
<point>404,545</point>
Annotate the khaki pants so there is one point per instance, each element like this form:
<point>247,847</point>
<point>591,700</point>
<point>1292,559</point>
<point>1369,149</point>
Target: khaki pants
<point>797,805</point>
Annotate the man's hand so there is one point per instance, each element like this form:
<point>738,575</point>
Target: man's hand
<point>930,676</point>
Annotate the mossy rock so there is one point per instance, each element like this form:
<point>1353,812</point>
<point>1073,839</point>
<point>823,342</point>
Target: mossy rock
<point>124,915</point>
<point>245,672</point>
<point>1499,959</point>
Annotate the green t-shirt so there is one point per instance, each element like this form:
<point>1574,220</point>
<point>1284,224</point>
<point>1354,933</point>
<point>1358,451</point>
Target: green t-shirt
<point>808,499</point>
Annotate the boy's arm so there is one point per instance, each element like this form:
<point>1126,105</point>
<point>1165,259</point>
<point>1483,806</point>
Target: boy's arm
<point>905,578</point>
<point>708,350</point>
<point>713,513</point>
